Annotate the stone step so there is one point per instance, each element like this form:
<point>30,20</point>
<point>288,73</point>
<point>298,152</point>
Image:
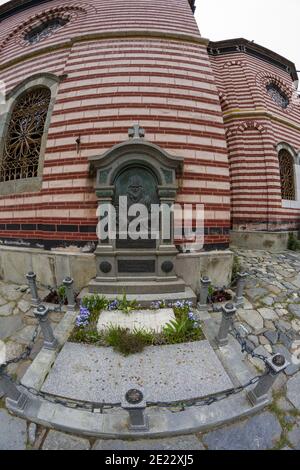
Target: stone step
<point>145,300</point>
<point>137,287</point>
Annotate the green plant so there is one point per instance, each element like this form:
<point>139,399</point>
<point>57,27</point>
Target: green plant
<point>181,329</point>
<point>125,342</point>
<point>94,303</point>
<point>87,335</point>
<point>236,268</point>
<point>62,294</point>
<point>293,242</point>
<point>127,305</point>
<point>211,290</point>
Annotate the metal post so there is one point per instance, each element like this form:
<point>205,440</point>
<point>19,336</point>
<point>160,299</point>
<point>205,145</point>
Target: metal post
<point>41,313</point>
<point>228,312</point>
<point>135,404</point>
<point>16,400</point>
<point>205,282</point>
<point>69,285</point>
<point>31,277</point>
<point>239,298</point>
<point>274,366</point>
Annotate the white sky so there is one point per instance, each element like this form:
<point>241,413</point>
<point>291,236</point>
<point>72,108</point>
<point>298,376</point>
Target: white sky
<point>270,23</point>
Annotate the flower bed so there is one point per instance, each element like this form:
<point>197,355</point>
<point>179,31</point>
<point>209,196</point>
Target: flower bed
<point>184,328</point>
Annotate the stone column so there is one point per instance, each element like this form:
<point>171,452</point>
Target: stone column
<point>239,298</point>
<point>228,312</point>
<point>70,294</point>
<point>41,313</point>
<point>16,399</point>
<point>205,283</point>
<point>31,277</point>
<point>274,366</point>
<point>135,404</point>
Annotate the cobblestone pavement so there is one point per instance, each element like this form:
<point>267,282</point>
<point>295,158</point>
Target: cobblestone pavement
<point>269,321</point>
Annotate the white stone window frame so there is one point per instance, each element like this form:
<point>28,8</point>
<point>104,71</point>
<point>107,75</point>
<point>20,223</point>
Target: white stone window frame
<point>286,203</point>
<point>51,82</point>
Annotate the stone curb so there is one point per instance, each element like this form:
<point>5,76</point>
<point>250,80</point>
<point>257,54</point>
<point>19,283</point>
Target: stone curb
<point>163,423</point>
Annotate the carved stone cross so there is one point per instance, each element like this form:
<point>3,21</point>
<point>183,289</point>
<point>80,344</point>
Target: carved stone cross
<point>136,132</point>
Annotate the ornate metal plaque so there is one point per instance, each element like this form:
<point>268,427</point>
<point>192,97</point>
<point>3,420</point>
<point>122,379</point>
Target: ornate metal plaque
<point>139,185</point>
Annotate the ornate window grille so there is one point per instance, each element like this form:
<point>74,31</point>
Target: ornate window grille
<point>23,138</point>
<point>287,175</point>
<point>45,29</point>
<point>277,95</point>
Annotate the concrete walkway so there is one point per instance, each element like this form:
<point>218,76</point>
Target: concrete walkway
<point>270,322</point>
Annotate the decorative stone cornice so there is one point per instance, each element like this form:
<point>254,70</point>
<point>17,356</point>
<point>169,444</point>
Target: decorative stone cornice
<point>238,45</point>
<point>231,116</point>
<point>14,6</point>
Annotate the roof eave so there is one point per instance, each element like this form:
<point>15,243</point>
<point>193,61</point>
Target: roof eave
<point>236,45</point>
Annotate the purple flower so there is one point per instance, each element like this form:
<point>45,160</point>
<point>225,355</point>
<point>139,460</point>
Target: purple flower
<point>83,317</point>
<point>113,305</point>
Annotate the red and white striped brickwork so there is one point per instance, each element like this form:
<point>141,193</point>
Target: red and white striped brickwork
<point>143,62</point>
<point>255,125</point>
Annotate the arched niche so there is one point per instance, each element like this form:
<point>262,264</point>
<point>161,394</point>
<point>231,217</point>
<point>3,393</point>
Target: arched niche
<point>147,175</point>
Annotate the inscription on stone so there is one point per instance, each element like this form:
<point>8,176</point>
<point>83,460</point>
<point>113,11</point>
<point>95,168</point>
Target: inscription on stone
<point>136,266</point>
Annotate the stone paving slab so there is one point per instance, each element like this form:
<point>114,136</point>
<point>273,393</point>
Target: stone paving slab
<point>150,320</point>
<point>171,443</point>
<point>166,373</point>
<point>13,432</point>
<point>258,433</point>
<point>56,440</point>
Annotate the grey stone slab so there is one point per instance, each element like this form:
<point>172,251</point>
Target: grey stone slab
<point>25,335</point>
<point>9,325</point>
<point>162,422</point>
<point>268,301</point>
<point>267,313</point>
<point>294,309</point>
<point>13,433</point>
<point>147,320</point>
<point>32,429</point>
<point>167,373</point>
<point>253,318</point>
<point>10,292</point>
<point>35,375</point>
<point>286,340</point>
<point>7,309</point>
<point>272,336</point>
<point>24,306</point>
<point>293,390</point>
<point>258,433</point>
<point>171,443</point>
<point>294,437</point>
<point>255,293</point>
<point>56,440</point>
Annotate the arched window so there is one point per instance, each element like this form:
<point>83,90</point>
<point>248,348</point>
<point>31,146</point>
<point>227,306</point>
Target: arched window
<point>287,175</point>
<point>45,29</point>
<point>23,137</point>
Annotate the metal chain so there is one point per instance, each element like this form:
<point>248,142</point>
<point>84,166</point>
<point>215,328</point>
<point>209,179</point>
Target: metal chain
<point>25,354</point>
<point>244,346</point>
<point>207,401</point>
<point>99,408</point>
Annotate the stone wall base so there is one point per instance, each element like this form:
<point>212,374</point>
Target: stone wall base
<point>254,240</point>
<point>217,265</point>
<point>51,267</point>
